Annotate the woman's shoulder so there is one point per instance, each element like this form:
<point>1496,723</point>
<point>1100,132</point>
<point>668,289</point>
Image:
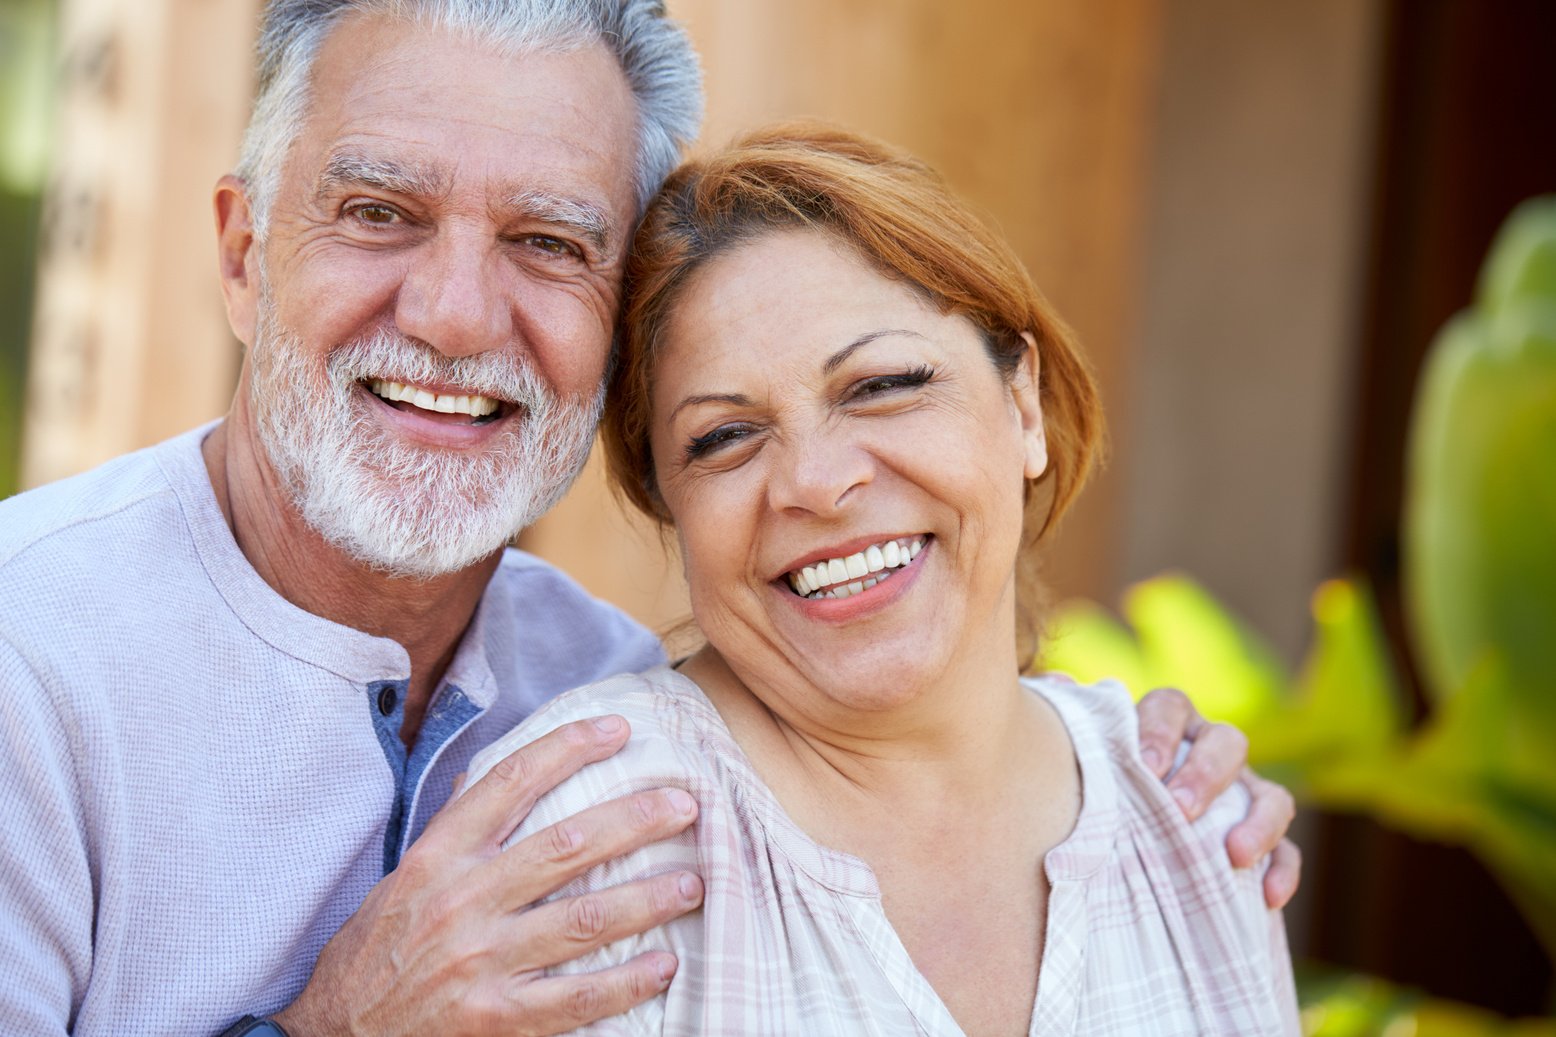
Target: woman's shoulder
<point>1105,729</point>
<point>1166,898</point>
<point>670,720</point>
<point>1129,813</point>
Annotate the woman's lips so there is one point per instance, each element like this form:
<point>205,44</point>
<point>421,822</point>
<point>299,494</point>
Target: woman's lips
<point>847,575</point>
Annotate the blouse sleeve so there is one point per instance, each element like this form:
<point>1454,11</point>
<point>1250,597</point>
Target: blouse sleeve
<point>650,760</point>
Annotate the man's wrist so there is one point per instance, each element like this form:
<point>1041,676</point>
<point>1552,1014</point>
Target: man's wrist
<point>250,1026</point>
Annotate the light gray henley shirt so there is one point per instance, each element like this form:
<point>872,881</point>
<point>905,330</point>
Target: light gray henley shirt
<point>199,781</point>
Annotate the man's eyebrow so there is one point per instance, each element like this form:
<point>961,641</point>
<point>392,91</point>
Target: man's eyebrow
<point>582,218</point>
<point>836,359</point>
<point>345,169</point>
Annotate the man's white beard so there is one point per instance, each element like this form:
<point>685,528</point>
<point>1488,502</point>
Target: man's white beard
<point>402,509</point>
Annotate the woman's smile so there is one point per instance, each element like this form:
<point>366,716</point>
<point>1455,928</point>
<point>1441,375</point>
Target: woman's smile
<point>836,574</point>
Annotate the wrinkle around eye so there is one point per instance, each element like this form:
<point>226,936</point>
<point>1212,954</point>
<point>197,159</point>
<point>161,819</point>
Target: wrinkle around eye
<point>722,448</point>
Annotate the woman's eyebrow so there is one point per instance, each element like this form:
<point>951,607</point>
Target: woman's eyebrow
<point>836,359</point>
<point>734,399</point>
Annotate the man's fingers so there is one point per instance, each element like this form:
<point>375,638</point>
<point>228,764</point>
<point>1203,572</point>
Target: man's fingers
<point>1215,760</point>
<point>573,926</point>
<point>1165,715</point>
<point>543,862</point>
<point>492,808</point>
<point>561,1004</point>
<point>1269,816</point>
<point>1280,882</point>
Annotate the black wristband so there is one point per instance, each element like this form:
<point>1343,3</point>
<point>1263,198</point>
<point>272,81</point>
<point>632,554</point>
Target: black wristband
<point>250,1026</point>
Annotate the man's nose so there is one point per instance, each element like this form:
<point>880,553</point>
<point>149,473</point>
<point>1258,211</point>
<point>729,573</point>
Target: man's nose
<point>818,473</point>
<point>455,296</point>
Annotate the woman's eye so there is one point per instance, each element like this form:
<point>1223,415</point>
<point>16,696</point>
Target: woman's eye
<point>879,384</point>
<point>708,442</point>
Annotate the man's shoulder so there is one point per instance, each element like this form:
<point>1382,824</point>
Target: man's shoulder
<point>546,619</point>
<point>69,515</point>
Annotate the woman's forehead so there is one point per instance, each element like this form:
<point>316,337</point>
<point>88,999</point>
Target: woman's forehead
<point>784,295</point>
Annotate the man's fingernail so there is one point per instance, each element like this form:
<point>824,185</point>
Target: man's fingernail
<point>688,886</point>
<point>1185,799</point>
<point>608,725</point>
<point>680,801</point>
<point>666,969</point>
<point>1152,758</point>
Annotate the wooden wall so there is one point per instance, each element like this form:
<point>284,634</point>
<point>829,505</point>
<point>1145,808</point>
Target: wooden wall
<point>130,344</point>
<point>1040,112</point>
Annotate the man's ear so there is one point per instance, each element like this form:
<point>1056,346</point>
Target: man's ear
<point>1025,388</point>
<point>237,258</point>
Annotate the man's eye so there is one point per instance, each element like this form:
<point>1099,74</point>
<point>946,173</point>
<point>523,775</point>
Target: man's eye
<point>554,246</point>
<point>379,215</point>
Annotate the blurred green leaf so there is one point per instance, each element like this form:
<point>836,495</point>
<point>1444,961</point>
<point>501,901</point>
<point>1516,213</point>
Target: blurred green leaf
<point>1479,547</point>
<point>1349,1005</point>
<point>1087,643</point>
<point>1179,636</point>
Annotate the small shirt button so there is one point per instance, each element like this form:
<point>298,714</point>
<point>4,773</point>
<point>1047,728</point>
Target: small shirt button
<point>387,699</point>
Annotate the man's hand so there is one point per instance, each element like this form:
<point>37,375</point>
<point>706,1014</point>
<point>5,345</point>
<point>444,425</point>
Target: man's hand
<point>1217,755</point>
<point>451,942</point>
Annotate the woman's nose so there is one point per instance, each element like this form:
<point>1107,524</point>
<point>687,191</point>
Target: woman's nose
<point>819,473</point>
<point>454,296</point>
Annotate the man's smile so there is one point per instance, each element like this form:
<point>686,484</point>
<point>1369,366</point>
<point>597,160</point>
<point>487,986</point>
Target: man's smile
<point>462,408</point>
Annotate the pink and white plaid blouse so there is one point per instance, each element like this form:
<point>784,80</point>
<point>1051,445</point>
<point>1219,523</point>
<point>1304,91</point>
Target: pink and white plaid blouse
<point>1150,930</point>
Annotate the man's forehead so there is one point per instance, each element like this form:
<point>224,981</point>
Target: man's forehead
<point>424,111</point>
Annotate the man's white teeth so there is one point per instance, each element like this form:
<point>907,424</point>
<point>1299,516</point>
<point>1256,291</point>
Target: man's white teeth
<point>442,403</point>
<point>844,577</point>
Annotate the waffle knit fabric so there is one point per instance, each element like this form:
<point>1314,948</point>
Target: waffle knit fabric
<point>199,781</point>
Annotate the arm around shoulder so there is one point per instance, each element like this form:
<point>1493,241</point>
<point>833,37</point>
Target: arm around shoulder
<point>650,763</point>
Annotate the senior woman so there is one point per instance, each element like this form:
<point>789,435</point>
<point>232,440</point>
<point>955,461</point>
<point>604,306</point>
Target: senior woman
<point>847,399</point>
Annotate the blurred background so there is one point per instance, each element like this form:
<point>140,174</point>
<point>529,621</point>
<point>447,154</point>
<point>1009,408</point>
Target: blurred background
<point>1257,215</point>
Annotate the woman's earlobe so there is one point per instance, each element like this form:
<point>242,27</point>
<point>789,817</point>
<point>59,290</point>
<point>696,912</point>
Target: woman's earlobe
<point>1028,393</point>
<point>1036,451</point>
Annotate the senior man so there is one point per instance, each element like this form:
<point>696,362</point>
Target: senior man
<point>241,671</point>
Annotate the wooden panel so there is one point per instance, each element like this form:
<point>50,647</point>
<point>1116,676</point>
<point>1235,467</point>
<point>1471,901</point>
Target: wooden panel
<point>130,344</point>
<point>1039,112</point>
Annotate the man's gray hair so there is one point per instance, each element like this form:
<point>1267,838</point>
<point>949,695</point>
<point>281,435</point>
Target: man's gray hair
<point>655,54</point>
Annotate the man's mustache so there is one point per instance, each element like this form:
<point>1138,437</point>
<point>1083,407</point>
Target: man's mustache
<point>392,356</point>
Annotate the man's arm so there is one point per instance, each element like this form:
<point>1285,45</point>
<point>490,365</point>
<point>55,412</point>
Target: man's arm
<point>1218,754</point>
<point>449,942</point>
<point>46,889</point>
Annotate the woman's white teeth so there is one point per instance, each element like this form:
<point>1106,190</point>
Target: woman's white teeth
<point>843,577</point>
<point>441,403</point>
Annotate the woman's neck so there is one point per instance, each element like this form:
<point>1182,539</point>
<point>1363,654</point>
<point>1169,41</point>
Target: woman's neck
<point>969,740</point>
